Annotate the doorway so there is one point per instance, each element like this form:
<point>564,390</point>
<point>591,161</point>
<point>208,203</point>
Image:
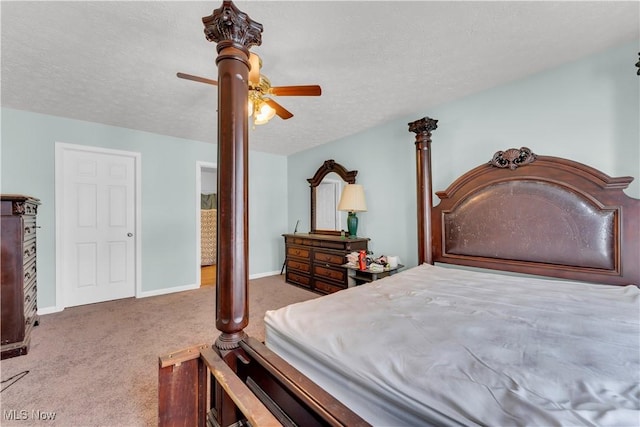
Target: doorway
<point>206,222</point>
<point>97,210</point>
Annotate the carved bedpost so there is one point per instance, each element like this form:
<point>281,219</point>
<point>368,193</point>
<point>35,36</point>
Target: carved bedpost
<point>422,128</point>
<point>234,32</point>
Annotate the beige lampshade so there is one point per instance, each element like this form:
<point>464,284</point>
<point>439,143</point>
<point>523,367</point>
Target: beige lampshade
<point>352,199</point>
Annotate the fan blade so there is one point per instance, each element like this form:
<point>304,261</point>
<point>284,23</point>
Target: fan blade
<point>282,112</point>
<point>197,79</point>
<point>308,90</point>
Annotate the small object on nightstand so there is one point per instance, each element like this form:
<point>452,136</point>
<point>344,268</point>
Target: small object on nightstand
<point>393,261</point>
<point>362,260</point>
<point>376,268</point>
<point>357,276</point>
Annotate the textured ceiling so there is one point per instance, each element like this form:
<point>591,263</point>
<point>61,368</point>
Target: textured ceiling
<point>116,62</point>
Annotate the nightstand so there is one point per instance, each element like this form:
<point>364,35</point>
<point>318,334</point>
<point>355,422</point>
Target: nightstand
<point>358,277</point>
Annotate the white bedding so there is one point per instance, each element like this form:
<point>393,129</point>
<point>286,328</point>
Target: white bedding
<point>442,346</point>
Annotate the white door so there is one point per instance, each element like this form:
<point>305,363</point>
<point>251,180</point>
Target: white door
<point>97,224</point>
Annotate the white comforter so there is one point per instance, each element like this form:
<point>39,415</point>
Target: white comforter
<point>435,345</point>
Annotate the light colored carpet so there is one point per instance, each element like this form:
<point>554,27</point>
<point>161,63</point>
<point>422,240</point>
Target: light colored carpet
<point>97,365</point>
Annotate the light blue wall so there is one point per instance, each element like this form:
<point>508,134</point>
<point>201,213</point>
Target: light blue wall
<point>587,111</point>
<point>168,195</point>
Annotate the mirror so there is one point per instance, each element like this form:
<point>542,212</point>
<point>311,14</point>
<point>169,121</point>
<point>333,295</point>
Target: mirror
<point>326,187</point>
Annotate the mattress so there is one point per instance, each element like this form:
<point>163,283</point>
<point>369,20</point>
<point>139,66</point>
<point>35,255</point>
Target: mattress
<point>442,346</point>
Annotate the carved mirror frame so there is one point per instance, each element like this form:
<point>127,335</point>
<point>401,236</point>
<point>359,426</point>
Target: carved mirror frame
<point>327,167</point>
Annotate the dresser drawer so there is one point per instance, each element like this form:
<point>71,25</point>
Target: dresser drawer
<point>327,288</point>
<point>298,252</point>
<point>30,309</point>
<point>29,272</point>
<point>30,321</point>
<point>29,251</point>
<point>332,245</point>
<point>326,257</point>
<point>303,266</point>
<point>299,241</point>
<point>30,291</point>
<point>329,273</point>
<point>298,279</point>
<point>29,228</point>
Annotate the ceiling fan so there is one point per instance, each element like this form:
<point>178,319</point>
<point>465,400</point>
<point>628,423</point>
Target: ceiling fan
<point>261,106</point>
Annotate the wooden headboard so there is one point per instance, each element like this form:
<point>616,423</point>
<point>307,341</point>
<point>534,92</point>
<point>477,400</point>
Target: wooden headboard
<point>533,214</point>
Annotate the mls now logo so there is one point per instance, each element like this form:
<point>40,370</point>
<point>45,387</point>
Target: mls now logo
<point>19,415</point>
<point>43,415</point>
<point>14,414</point>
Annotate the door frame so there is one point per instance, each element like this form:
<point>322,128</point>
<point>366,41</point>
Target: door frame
<point>200,165</point>
<point>60,149</point>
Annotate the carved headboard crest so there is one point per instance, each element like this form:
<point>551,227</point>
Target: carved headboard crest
<point>512,158</point>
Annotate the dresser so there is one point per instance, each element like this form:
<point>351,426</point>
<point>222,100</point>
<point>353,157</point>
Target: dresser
<point>18,292</point>
<point>314,261</point>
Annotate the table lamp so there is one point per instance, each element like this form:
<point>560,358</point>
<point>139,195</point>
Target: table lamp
<point>352,201</point>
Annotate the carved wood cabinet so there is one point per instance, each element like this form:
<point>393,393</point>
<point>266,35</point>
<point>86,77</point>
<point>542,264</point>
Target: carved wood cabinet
<point>18,292</point>
<point>314,260</point>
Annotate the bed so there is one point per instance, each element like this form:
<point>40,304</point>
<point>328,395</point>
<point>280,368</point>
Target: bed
<point>518,213</point>
<point>437,345</point>
<point>443,346</point>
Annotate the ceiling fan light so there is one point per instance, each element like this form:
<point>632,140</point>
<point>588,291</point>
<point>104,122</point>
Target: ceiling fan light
<point>264,114</point>
<point>250,107</point>
<point>260,121</point>
<point>267,111</point>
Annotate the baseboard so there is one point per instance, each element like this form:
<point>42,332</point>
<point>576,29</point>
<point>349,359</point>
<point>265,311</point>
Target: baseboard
<point>165,291</point>
<point>260,275</point>
<point>49,310</point>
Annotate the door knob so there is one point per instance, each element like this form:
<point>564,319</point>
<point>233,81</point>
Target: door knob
<point>130,234</point>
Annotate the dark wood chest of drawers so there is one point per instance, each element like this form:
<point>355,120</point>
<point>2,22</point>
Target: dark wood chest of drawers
<point>314,260</point>
<point>18,293</point>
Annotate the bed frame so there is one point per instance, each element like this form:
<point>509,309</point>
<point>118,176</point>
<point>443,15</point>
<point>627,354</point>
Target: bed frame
<point>239,381</point>
<point>531,214</point>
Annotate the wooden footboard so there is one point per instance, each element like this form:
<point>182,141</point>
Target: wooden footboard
<point>182,387</point>
<point>198,387</point>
